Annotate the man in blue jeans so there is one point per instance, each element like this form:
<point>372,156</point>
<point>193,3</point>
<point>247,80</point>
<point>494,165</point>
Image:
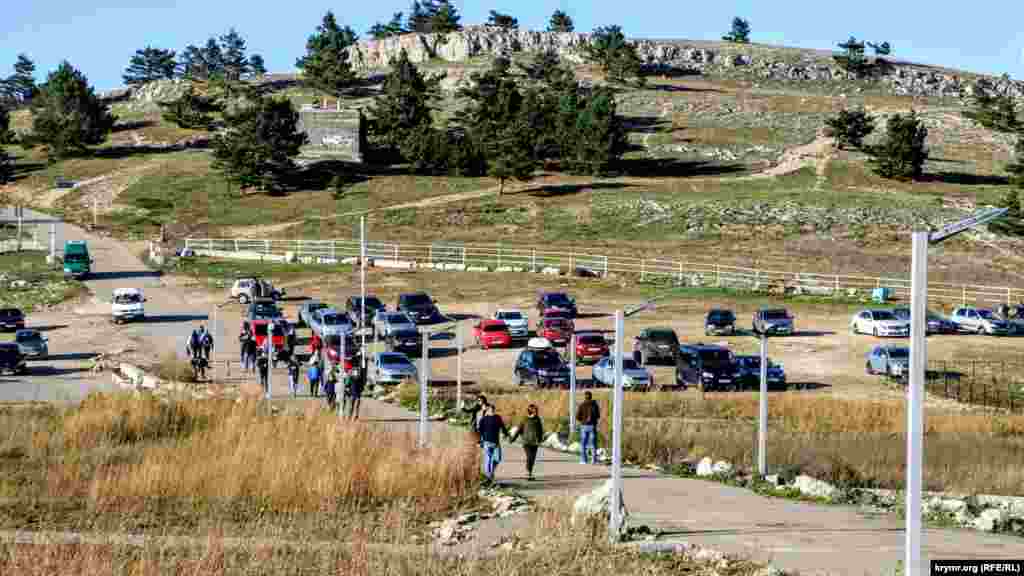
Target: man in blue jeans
<point>491,428</point>
<point>588,415</point>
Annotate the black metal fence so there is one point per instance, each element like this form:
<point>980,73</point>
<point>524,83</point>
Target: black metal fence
<point>991,383</point>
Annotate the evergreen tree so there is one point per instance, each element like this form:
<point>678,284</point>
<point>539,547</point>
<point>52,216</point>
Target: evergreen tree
<point>6,171</point>
<point>1012,223</point>
<point>234,62</point>
<point>546,67</point>
<point>67,115</point>
<point>6,136</point>
<point>883,49</point>
<point>852,59</point>
<point>260,145</point>
<point>1016,168</point>
<point>256,66</point>
<point>150,64</point>
<point>850,127</point>
<point>618,58</point>
<point>22,84</point>
<point>325,65</point>
<point>402,113</point>
<point>190,110</point>
<point>392,28</point>
<point>445,17</point>
<point>213,58</point>
<point>740,32</point>
<point>598,138</point>
<point>419,17</point>
<point>560,22</point>
<point>902,153</point>
<point>997,113</point>
<point>193,64</point>
<point>502,20</point>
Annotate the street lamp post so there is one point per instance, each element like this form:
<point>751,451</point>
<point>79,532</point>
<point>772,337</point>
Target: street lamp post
<point>424,377</point>
<point>572,385</point>
<point>762,424</point>
<point>615,516</point>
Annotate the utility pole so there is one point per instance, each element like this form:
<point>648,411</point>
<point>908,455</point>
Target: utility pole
<point>458,365</point>
<point>424,377</point>
<point>21,216</point>
<point>615,516</point>
<point>53,242</point>
<point>572,385</point>
<point>762,422</point>
<point>362,281</point>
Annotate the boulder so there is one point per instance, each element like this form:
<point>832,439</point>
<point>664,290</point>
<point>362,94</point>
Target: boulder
<point>990,520</point>
<point>814,488</point>
<point>705,467</point>
<point>602,455</point>
<point>596,504</point>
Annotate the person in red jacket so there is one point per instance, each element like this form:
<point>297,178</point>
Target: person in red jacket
<point>315,344</point>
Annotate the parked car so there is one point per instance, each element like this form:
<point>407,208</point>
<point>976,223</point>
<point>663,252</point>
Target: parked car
<point>332,349</point>
<point>419,306</point>
<point>750,373</point>
<point>391,368</point>
<point>979,320</point>
<point>12,319</point>
<point>772,321</point>
<point>387,322</point>
<point>936,323</point>
<point>557,301</point>
<point>492,334</point>
<point>556,330</point>
<point>32,343</point>
<point>707,367</point>
<point>890,361</point>
<point>11,359</point>
<point>354,307</point>
<point>307,309</point>
<point>246,290</point>
<point>331,321</point>
<point>77,261</point>
<point>879,323</point>
<point>542,367</point>
<point>590,347</point>
<point>263,309</point>
<point>127,304</point>
<point>518,323</point>
<point>719,321</point>
<point>406,340</point>
<point>634,376</point>
<point>656,345</point>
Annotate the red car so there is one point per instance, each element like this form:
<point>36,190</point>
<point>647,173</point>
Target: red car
<point>590,347</point>
<point>332,348</point>
<point>557,330</point>
<point>259,331</point>
<point>492,334</point>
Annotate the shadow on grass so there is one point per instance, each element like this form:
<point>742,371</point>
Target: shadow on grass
<point>670,167</point>
<point>645,124</point>
<point>556,190</point>
<point>135,125</point>
<point>965,179</point>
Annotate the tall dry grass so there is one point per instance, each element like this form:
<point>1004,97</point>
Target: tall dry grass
<point>847,441</point>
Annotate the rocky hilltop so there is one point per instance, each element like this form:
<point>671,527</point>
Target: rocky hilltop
<point>752,60</point>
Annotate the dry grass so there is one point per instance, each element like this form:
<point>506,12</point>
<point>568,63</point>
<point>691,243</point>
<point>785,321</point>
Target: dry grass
<point>174,368</point>
<point>825,437</point>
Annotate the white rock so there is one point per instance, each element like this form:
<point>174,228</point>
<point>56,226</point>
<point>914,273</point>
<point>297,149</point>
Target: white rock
<point>990,520</point>
<point>1012,504</point>
<point>705,467</point>
<point>448,530</point>
<point>550,270</point>
<point>574,447</point>
<point>132,373</point>
<point>602,455</point>
<point>478,269</point>
<point>721,468</point>
<point>814,487</point>
<point>596,504</point>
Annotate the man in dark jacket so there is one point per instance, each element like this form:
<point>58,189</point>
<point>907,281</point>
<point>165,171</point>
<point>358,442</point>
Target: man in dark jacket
<point>532,432</point>
<point>587,416</point>
<point>474,412</point>
<point>491,428</point>
<point>263,369</point>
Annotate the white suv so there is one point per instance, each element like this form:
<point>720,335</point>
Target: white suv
<point>246,290</point>
<point>518,323</point>
<point>127,304</point>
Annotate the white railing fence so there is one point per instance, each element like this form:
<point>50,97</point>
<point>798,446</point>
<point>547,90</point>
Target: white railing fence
<point>697,272</point>
<point>26,244</point>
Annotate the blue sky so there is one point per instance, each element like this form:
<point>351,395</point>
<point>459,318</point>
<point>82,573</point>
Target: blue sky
<point>99,36</point>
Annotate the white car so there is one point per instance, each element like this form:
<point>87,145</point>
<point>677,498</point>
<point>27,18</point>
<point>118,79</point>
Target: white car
<point>387,322</point>
<point>127,304</point>
<point>518,323</point>
<point>634,376</point>
<point>879,323</point>
<point>980,320</point>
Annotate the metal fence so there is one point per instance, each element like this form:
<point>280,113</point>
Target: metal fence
<point>26,244</point>
<point>994,384</point>
<point>694,271</point>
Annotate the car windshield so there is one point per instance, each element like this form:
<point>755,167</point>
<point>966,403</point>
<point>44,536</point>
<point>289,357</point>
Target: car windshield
<point>663,336</point>
<point>10,313</point>
<point>373,302</point>
<point>334,342</point>
<point>334,319</point>
<point>714,358</point>
<point>721,316</point>
<point>591,340</point>
<point>394,361</point>
<point>128,299</point>
<point>883,315</point>
<point>776,315</point>
<point>558,299</point>
<point>495,328</point>
<point>986,314</point>
<point>899,352</point>
<point>415,299</point>
<point>261,330</point>
<point>547,359</point>
<point>316,306</point>
<point>25,337</point>
<point>629,364</point>
<point>75,258</point>
<point>510,315</point>
<point>396,319</point>
<point>264,309</point>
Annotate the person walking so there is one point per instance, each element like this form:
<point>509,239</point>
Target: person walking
<point>207,343</point>
<point>330,386</point>
<point>313,375</point>
<point>475,413</point>
<point>532,432</point>
<point>263,369</point>
<point>492,427</point>
<point>354,393</point>
<point>194,345</point>
<point>293,376</point>
<point>315,344</point>
<point>243,339</point>
<point>588,415</point>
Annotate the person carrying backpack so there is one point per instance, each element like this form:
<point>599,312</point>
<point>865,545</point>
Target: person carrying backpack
<point>195,343</point>
<point>207,344</point>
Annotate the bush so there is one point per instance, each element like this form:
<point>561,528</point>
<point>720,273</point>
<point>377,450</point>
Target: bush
<point>190,110</point>
<point>902,153</point>
<point>850,127</point>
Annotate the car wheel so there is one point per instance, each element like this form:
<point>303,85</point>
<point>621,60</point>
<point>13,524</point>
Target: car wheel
<point>875,332</point>
<point>981,329</point>
<point>516,380</point>
<point>867,367</point>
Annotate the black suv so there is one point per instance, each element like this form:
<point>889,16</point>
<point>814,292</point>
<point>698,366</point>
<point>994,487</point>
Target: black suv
<point>406,341</point>
<point>707,367</point>
<point>11,358</point>
<point>354,307</point>
<point>543,367</point>
<point>418,306</point>
<point>719,321</point>
<point>555,301</point>
<point>656,345</point>
<point>11,319</point>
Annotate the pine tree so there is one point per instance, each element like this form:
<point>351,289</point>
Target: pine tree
<point>445,17</point>
<point>853,59</point>
<point>1016,168</point>
<point>260,145</point>
<point>902,153</point>
<point>997,113</point>
<point>850,127</point>
<point>325,65</point>
<point>190,110</point>
<point>740,32</point>
<point>193,64</point>
<point>213,58</point>
<point>598,138</point>
<point>1012,223</point>
<point>419,17</point>
<point>22,84</point>
<point>235,63</point>
<point>883,49</point>
<point>560,22</point>
<point>401,112</point>
<point>392,28</point>
<point>67,115</point>
<point>502,20</point>
<point>150,64</point>
<point>256,66</point>
<point>618,58</point>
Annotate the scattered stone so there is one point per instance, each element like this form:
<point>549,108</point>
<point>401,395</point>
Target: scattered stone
<point>596,504</point>
<point>814,488</point>
<point>990,520</point>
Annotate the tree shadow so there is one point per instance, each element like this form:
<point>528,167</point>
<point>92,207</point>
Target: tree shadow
<point>127,150</point>
<point>321,174</point>
<point>556,190</point>
<point>965,179</point>
<point>124,275</point>
<point>669,71</point>
<point>133,125</point>
<point>71,356</point>
<point>812,333</point>
<point>645,124</point>
<point>676,88</point>
<point>671,167</point>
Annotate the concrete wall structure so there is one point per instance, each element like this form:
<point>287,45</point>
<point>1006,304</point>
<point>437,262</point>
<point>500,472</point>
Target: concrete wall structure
<point>333,134</point>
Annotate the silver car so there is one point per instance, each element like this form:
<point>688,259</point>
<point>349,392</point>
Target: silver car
<point>332,322</point>
<point>308,309</point>
<point>32,344</point>
<point>634,376</point>
<point>888,361</point>
<point>388,322</point>
<point>391,368</point>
